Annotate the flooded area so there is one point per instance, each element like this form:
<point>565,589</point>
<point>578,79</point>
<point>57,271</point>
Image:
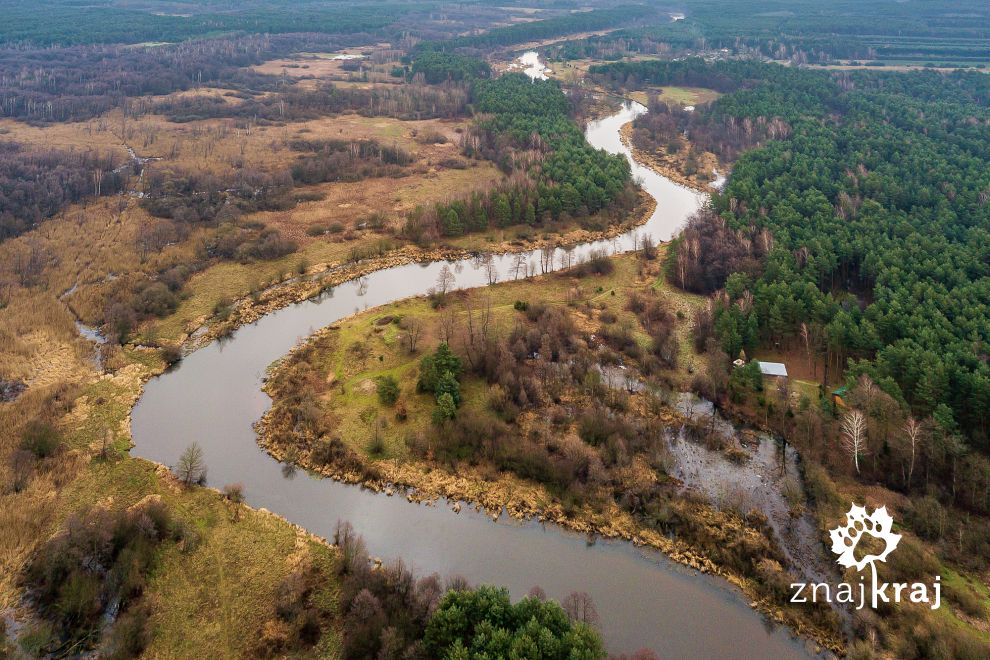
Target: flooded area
<point>214,397</point>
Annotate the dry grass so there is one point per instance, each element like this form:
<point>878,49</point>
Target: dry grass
<point>359,350</point>
<point>677,95</point>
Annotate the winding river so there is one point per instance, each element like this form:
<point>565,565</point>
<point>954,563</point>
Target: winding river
<point>644,600</point>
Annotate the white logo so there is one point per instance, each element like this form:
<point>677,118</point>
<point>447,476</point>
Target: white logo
<point>845,541</point>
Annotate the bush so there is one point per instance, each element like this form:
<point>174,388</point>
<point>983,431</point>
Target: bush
<point>388,389</point>
<point>155,299</point>
<point>598,263</point>
<point>41,439</point>
<point>171,353</point>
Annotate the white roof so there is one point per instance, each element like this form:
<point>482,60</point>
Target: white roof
<point>772,368</point>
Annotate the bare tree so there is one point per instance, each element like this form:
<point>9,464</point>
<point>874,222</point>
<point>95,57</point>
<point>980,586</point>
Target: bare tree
<point>537,593</point>
<point>566,256</point>
<point>487,261</point>
<point>477,330</point>
<point>191,468</point>
<point>648,247</point>
<point>519,265</point>
<point>414,330</point>
<point>915,432</point>
<point>29,262</point>
<point>546,257</point>
<point>445,280</point>
<point>854,435</point>
<point>21,468</point>
<point>447,325</point>
<point>806,338</point>
<point>579,607</point>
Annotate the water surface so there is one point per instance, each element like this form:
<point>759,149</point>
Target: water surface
<point>214,396</point>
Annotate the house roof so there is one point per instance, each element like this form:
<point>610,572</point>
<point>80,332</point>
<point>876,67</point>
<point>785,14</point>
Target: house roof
<point>772,368</point>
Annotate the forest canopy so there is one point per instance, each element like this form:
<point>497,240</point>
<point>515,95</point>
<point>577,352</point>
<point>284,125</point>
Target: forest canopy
<point>876,198</point>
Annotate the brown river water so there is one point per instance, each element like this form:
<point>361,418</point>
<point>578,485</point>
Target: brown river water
<point>214,397</point>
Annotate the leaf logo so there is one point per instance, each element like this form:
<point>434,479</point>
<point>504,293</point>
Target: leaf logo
<point>845,539</point>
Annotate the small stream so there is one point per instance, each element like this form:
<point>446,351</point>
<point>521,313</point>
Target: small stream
<point>214,396</point>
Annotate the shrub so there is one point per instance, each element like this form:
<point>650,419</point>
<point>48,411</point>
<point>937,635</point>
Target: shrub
<point>41,439</point>
<point>388,389</point>
<point>171,354</point>
<point>598,263</point>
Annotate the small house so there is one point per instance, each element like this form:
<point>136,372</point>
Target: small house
<point>839,396</point>
<point>774,371</point>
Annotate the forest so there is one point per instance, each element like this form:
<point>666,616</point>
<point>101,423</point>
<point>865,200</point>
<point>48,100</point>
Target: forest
<point>526,125</point>
<point>36,184</point>
<point>939,33</point>
<point>66,23</point>
<point>873,247</point>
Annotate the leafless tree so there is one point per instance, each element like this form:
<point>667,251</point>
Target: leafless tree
<point>191,468</point>
<point>486,260</point>
<point>445,280</point>
<point>648,247</point>
<point>519,266</point>
<point>537,593</point>
<point>28,262</point>
<point>477,330</point>
<point>915,432</point>
<point>854,435</point>
<point>546,257</point>
<point>580,608</point>
<point>566,256</point>
<point>448,321</point>
<point>414,330</point>
<point>21,469</point>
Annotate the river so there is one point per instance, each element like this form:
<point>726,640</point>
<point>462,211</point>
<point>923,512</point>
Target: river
<point>214,396</point>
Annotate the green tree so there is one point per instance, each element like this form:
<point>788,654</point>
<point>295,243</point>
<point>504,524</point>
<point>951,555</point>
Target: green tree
<point>446,408</point>
<point>502,211</point>
<point>433,367</point>
<point>484,623</point>
<point>388,389</point>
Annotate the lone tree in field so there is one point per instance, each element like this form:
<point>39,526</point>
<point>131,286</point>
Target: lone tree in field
<point>414,329</point>
<point>191,468</point>
<point>854,435</point>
